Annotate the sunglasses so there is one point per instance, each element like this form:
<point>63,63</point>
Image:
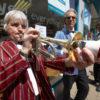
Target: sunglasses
<point>71,17</point>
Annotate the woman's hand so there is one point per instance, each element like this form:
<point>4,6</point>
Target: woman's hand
<point>30,34</point>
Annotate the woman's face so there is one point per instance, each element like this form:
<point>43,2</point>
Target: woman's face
<point>16,29</point>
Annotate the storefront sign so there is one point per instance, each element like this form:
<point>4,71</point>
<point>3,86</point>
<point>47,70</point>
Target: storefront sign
<point>5,8</point>
<point>42,30</point>
<point>58,6</point>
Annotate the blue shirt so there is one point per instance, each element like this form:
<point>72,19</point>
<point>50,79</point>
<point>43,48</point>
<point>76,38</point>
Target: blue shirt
<point>63,34</point>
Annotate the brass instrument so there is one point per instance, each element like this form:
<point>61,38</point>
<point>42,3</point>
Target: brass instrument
<point>68,45</point>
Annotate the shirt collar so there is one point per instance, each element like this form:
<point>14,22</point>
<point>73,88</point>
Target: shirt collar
<point>64,29</point>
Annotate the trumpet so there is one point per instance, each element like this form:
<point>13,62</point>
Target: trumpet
<point>68,45</point>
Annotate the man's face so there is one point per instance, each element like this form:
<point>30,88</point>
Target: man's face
<point>16,30</point>
<point>70,20</point>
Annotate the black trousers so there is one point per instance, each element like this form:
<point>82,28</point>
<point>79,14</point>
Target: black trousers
<point>96,69</point>
<point>82,85</point>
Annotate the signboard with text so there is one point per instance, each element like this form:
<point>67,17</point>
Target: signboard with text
<point>42,30</point>
<point>58,6</point>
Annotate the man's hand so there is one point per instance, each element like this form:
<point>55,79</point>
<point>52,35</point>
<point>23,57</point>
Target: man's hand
<point>85,58</point>
<point>81,58</point>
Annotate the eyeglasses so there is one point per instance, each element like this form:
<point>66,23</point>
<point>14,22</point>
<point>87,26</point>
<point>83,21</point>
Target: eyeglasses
<point>71,17</point>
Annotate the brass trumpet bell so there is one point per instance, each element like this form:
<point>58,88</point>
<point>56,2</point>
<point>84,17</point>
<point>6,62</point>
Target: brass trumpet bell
<point>78,36</point>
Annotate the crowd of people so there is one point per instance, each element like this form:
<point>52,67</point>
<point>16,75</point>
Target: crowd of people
<point>22,71</point>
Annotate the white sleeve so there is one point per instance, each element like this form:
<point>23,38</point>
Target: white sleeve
<point>93,46</point>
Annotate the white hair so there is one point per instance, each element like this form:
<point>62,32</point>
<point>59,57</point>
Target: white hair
<point>15,15</point>
<point>70,10</point>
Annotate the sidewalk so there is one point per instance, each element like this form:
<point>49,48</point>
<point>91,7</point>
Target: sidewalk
<point>93,94</point>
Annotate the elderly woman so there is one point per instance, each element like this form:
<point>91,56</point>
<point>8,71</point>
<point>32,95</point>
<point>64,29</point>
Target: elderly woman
<point>19,78</point>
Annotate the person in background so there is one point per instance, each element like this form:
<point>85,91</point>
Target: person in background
<point>74,74</point>
<point>98,31</point>
<point>51,29</point>
<point>96,67</point>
